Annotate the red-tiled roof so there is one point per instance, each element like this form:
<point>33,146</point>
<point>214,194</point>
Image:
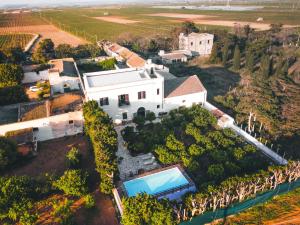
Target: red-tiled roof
<point>190,85</point>
<point>115,47</point>
<point>136,61</point>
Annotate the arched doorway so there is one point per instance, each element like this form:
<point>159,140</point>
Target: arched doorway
<point>141,112</point>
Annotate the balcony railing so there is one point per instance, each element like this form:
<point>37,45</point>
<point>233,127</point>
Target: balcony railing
<point>124,103</point>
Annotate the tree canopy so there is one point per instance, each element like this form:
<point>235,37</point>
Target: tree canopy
<point>145,209</point>
<point>10,75</point>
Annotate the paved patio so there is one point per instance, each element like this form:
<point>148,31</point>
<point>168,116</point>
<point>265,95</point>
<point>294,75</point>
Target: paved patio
<point>128,165</point>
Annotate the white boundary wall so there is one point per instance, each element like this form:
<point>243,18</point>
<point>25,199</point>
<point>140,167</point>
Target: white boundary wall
<point>52,127</point>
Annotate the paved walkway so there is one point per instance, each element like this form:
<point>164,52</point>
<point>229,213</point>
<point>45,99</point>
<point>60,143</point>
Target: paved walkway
<point>128,165</point>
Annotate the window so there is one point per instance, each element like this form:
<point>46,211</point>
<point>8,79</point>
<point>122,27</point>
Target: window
<point>158,106</point>
<point>157,91</point>
<point>123,100</point>
<point>192,43</point>
<point>124,115</point>
<point>200,42</point>
<point>208,41</point>
<point>104,101</point>
<point>142,95</point>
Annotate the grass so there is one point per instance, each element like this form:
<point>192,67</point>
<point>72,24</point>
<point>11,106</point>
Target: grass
<point>14,40</point>
<point>277,209</point>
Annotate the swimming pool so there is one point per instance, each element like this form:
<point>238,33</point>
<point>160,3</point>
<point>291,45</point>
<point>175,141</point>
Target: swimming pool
<point>156,183</point>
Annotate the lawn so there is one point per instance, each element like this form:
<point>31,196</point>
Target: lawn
<point>15,40</point>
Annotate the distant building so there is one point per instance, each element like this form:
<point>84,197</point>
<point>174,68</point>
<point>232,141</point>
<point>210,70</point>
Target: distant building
<point>175,56</point>
<point>198,43</point>
<point>123,54</point>
<point>126,93</point>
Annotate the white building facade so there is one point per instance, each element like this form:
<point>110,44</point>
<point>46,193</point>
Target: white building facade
<point>198,43</point>
<point>126,93</point>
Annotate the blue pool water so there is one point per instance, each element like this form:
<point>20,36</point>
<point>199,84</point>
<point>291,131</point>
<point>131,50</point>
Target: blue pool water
<point>156,183</point>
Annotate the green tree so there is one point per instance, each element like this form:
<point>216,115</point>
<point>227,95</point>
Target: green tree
<point>101,131</point>
<point>250,63</point>
<point>64,51</point>
<point>225,52</point>
<point>62,212</point>
<point>174,144</point>
<point>189,27</point>
<point>45,51</point>
<point>14,55</point>
<point>215,55</point>
<point>89,201</point>
<point>108,64</point>
<point>237,58</point>
<point>265,66</point>
<point>72,182</point>
<point>276,28</point>
<point>8,153</point>
<point>145,209</point>
<point>10,75</point>
<point>150,116</point>
<point>12,95</point>
<point>215,171</point>
<point>73,158</point>
<point>153,46</point>
<point>247,30</point>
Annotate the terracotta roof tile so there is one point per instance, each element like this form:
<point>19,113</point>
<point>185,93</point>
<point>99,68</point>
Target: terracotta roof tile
<point>136,61</point>
<point>185,86</point>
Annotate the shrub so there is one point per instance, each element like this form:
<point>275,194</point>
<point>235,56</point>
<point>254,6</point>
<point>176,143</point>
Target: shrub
<point>10,75</point>
<point>73,158</point>
<point>62,212</point>
<point>146,209</point>
<point>103,136</point>
<point>150,116</point>
<point>89,201</point>
<point>72,182</point>
<point>8,153</point>
<point>12,95</point>
<point>108,64</point>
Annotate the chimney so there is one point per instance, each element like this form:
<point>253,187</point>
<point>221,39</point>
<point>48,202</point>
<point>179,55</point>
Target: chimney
<point>161,52</point>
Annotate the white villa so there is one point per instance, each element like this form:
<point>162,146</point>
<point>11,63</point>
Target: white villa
<point>198,43</point>
<point>125,93</point>
<point>63,76</point>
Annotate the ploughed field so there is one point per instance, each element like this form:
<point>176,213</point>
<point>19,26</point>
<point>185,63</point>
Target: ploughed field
<point>28,24</point>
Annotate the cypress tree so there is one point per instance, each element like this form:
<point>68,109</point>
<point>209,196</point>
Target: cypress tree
<point>279,66</point>
<point>250,61</point>
<point>214,53</point>
<point>225,50</point>
<point>265,65</point>
<point>237,58</point>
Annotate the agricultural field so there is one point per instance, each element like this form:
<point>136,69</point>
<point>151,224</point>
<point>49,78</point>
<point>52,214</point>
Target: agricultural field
<point>14,40</point>
<point>26,23</point>
<point>283,209</point>
<point>96,23</point>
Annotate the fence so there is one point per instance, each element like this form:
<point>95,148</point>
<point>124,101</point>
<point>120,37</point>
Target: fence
<point>239,207</point>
